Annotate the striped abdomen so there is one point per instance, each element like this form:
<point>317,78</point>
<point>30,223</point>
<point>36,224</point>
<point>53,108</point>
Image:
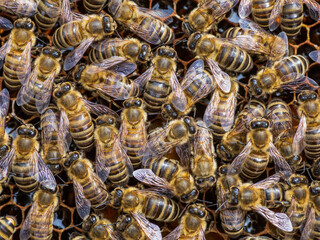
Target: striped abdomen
<point>312,139</point>
<point>93,6</point>
<point>7,228</point>
<point>103,51</point>
<point>232,221</point>
<point>156,93</point>
<point>23,171</point>
<point>68,35</point>
<point>164,168</point>
<point>160,208</point>
<point>48,12</point>
<point>98,196</point>
<point>274,193</point>
<point>297,218</point>
<point>255,164</point>
<point>81,129</point>
<point>315,232</point>
<point>293,64</point>
<point>39,228</point>
<point>261,11</point>
<point>14,69</point>
<point>291,18</point>
<point>233,59</point>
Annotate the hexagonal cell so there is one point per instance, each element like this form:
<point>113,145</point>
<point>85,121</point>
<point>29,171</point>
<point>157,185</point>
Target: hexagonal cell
<point>68,196</point>
<point>185,7</point>
<point>165,5</point>
<point>12,210</point>
<point>214,236</point>
<point>21,198</point>
<point>301,37</point>
<point>224,25</point>
<point>5,195</point>
<point>305,49</point>
<point>62,218</point>
<point>315,34</point>
<point>183,52</point>
<point>55,235</point>
<point>314,73</point>
<point>254,223</point>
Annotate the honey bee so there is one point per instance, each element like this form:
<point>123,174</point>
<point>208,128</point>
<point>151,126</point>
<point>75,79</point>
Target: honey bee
<point>132,49</point>
<point>136,227</point>
<point>107,82</point>
<point>25,162</point>
<point>145,23</point>
<point>255,156</point>
<point>55,139</point>
<point>196,84</point>
<point>133,131</point>
<point>5,24</point>
<point>192,224</point>
<point>162,140</point>
<point>17,53</point>
<point>8,226</point>
<point>207,15</point>
<point>289,15</point>
<point>232,218</point>
<point>39,221</point>
<point>47,14</point>
<point>310,230</point>
<point>19,7</point>
<point>169,175</point>
<point>74,111</point>
<point>80,31</point>
<point>112,162</point>
<point>220,112</point>
<point>35,94</point>
<point>249,197</point>
<point>88,187</point>
<point>145,202</point>
<point>297,197</point>
<point>233,141</point>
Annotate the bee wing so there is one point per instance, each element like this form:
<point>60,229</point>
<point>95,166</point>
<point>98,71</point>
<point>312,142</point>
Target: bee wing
<point>25,61</point>
<point>99,109</point>
<point>43,97</point>
<point>211,108</point>
<point>279,48</point>
<point>201,235</point>
<point>298,83</point>
<point>67,15</point>
<point>101,166</point>
<point>83,204</point>
<point>4,103</point>
<point>280,162</point>
<point>5,24</point>
<point>50,125</point>
<point>117,147</point>
<point>247,43</point>
<point>311,218</point>
<point>25,231</point>
<point>124,68</point>
<point>27,92</point>
<point>237,163</point>
<point>298,143</point>
<point>64,136</point>
<point>179,99</point>
<point>202,144</point>
<point>144,77</point>
<point>151,230</point>
<point>274,20</point>
<point>314,55</point>
<point>245,8</point>
<point>74,57</point>
<point>175,233</point>
<point>222,78</point>
<point>115,7</point>
<point>280,220</point>
<point>158,13</point>
<point>223,8</point>
<point>19,7</point>
<point>105,64</point>
<point>5,49</point>
<point>184,154</point>
<point>314,8</point>
<point>148,177</point>
<point>5,164</point>
<point>268,182</point>
<point>247,24</point>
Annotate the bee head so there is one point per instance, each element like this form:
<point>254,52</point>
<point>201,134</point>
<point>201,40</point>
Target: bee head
<point>198,210</point>
<point>109,25</point>
<point>24,23</point>
<point>193,40</point>
<point>132,102</point>
<point>117,195</point>
<point>296,180</point>
<point>106,119</point>
<point>145,53</point>
<point>307,96</point>
<point>191,125</point>
<point>52,51</point>
<point>233,197</point>
<point>254,87</point>
<point>77,72</point>
<point>27,130</point>
<point>123,222</point>
<point>259,123</point>
<point>203,182</point>
<point>63,89</point>
<point>73,156</point>
<point>168,52</point>
<point>168,112</point>
<point>190,196</point>
<point>89,221</point>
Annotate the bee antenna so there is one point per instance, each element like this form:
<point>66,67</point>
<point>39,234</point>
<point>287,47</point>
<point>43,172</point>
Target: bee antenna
<point>118,34</point>
<point>17,118</point>
<point>182,212</point>
<point>61,179</point>
<point>200,200</point>
<point>221,206</point>
<point>42,41</point>
<point>73,226</point>
<point>310,174</point>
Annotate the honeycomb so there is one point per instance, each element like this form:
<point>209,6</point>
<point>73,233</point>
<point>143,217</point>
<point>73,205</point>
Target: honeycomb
<point>66,220</point>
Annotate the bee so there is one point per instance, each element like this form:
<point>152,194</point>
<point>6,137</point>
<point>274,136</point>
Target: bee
<point>145,23</point>
<point>107,82</point>
<point>16,53</point>
<point>289,15</point>
<point>99,228</point>
<point>88,187</point>
<point>249,197</point>
<point>310,230</point>
<point>75,114</point>
<point>232,218</point>
<point>220,112</point>
<point>93,6</point>
<point>297,196</point>
<point>206,15</point>
<point>8,226</point>
<point>192,224</point>
<point>55,139</point>
<point>47,14</point>
<point>132,49</point>
<point>196,84</point>
<point>39,221</point>
<point>306,135</point>
<point>145,202</point>
<point>80,31</point>
<point>169,175</point>
<point>233,141</point>
<point>35,94</point>
<point>255,156</point>
<point>112,162</point>
<point>25,162</point>
<point>19,7</point>
<point>133,131</point>
<point>136,227</point>
<point>162,140</point>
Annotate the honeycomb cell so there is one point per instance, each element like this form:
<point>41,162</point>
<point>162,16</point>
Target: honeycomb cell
<point>21,198</point>
<point>314,73</point>
<point>302,36</point>
<point>68,196</point>
<point>254,223</point>
<point>62,218</point>
<point>12,210</point>
<point>315,34</point>
<point>305,49</point>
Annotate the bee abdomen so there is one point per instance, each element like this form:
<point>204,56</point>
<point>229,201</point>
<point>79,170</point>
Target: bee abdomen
<point>6,228</point>
<point>164,168</point>
<point>68,35</point>
<point>254,165</point>
<point>293,64</point>
<point>233,224</point>
<point>44,20</point>
<point>272,194</point>
<point>261,11</point>
<point>156,94</point>
<point>119,175</point>
<point>315,232</point>
<point>291,18</point>
<point>93,6</point>
<point>96,195</point>
<point>40,229</point>
<point>312,149</point>
<point>23,177</point>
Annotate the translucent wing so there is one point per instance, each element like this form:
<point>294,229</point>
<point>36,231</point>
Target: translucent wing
<point>314,8</point>
<point>105,64</point>
<point>74,57</point>
<point>151,230</point>
<point>222,79</point>
<point>144,77</point>
<point>268,182</point>
<point>202,143</point>
<point>5,164</point>
<point>124,68</point>
<point>175,233</point>
<point>83,204</point>
<point>298,83</point>
<point>20,7</point>
<point>247,24</point>
<point>280,162</point>
<point>5,49</point>
<point>274,20</point>
<point>27,91</point>
<point>311,218</point>
<point>43,97</point>
<point>99,109</point>
<point>315,56</point>
<point>114,7</point>
<point>49,125</point>
<point>64,136</point>
<point>65,12</point>
<point>101,166</point>
<point>247,43</point>
<point>298,143</point>
<point>201,235</point>
<point>25,61</point>
<point>4,103</point>
<point>117,147</point>
<point>25,231</point>
<point>178,100</point>
<point>245,7</point>
<point>217,12</point>
<point>279,48</point>
<point>280,220</point>
<point>211,108</point>
<point>237,163</point>
<point>5,24</point>
<point>184,154</point>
